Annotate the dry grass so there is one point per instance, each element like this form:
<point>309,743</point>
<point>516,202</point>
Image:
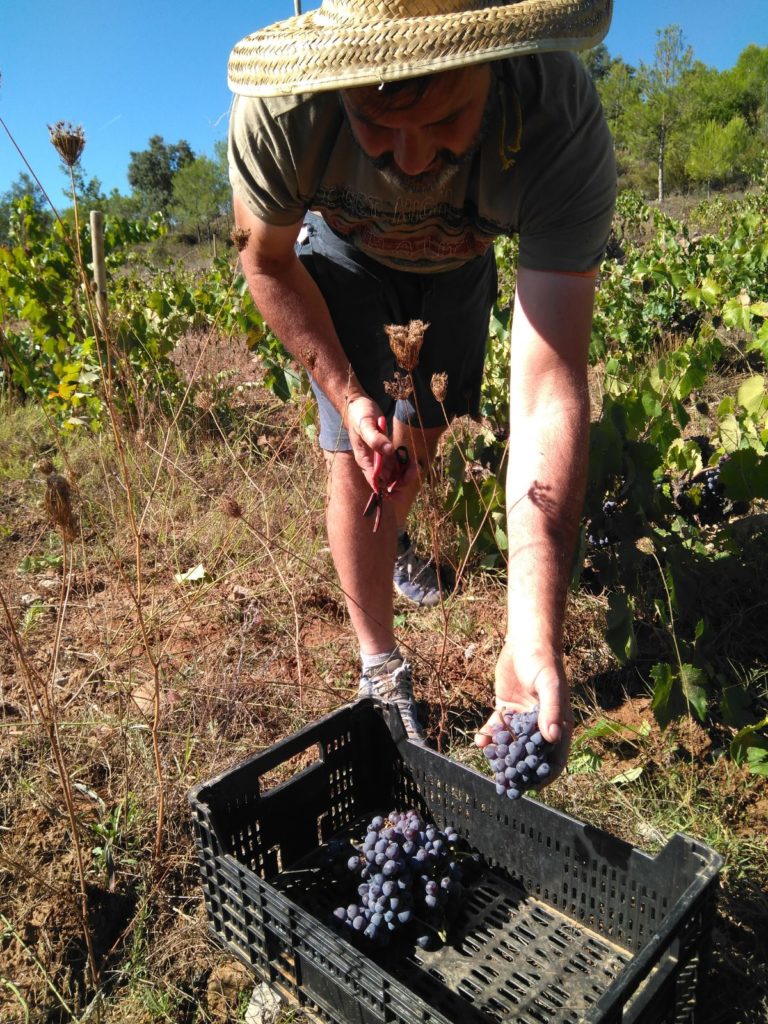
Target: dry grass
<point>226,634</point>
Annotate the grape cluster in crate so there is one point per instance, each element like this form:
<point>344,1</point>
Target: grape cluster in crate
<point>409,876</point>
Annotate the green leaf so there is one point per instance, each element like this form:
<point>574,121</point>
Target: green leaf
<point>735,705</point>
<point>628,776</point>
<point>651,404</point>
<point>605,450</point>
<point>710,291</point>
<point>757,759</point>
<point>730,432</point>
<point>157,302</point>
<point>583,760</point>
<point>751,395</point>
<point>620,628</point>
<point>750,745</point>
<point>668,702</point>
<point>745,475</point>
<point>695,692</point>
<point>736,314</point>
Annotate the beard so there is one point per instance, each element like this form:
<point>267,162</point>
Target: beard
<point>445,166</point>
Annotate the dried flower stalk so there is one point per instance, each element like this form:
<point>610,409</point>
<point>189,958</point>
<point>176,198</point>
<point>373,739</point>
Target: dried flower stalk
<point>406,340</point>
<point>58,505</point>
<point>68,141</point>
<point>231,507</point>
<point>439,385</point>
<point>400,388</point>
<point>203,400</point>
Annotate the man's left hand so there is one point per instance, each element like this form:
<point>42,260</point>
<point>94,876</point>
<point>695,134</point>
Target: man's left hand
<point>521,683</point>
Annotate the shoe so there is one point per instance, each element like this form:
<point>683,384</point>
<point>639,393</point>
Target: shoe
<point>393,684</point>
<point>415,578</point>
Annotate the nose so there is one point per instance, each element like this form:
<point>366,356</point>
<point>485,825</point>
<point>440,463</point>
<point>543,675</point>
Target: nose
<point>413,151</point>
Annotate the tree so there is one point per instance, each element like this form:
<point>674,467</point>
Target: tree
<point>707,95</point>
<point>749,79</point>
<point>719,151</point>
<point>89,194</point>
<point>597,61</point>
<point>23,186</point>
<point>118,205</point>
<point>662,109</point>
<point>619,92</point>
<point>201,195</point>
<point>151,172</point>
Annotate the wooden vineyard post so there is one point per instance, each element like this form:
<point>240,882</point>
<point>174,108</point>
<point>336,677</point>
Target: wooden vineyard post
<point>99,267</point>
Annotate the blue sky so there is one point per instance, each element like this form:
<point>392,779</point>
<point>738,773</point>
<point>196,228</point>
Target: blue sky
<point>126,71</point>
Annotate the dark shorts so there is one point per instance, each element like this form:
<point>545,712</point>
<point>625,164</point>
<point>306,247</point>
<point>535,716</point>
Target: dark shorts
<point>363,295</point>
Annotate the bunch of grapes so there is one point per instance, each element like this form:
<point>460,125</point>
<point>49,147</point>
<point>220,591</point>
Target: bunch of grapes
<point>600,532</point>
<point>704,498</point>
<point>408,871</point>
<point>518,753</point>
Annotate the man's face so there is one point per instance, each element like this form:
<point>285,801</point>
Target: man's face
<point>419,146</point>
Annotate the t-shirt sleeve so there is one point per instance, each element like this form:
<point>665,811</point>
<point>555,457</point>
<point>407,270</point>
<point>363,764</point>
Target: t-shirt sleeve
<point>262,168</point>
<point>569,196</point>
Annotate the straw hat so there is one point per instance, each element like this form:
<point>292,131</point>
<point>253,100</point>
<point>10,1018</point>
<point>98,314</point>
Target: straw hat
<point>365,42</point>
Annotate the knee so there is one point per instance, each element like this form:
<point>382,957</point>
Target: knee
<point>335,461</point>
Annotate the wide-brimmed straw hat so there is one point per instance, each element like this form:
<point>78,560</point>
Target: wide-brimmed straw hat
<point>349,43</point>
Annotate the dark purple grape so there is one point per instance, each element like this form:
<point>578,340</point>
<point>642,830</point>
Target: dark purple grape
<point>525,753</point>
<point>407,867</point>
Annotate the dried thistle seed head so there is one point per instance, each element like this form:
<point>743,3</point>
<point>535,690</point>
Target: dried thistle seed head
<point>231,507</point>
<point>406,340</point>
<point>400,387</point>
<point>45,466</point>
<point>58,505</point>
<point>68,141</point>
<point>240,237</point>
<point>203,400</point>
<point>439,384</point>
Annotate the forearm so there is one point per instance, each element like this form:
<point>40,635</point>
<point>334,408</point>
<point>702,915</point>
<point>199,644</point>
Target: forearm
<point>549,431</point>
<point>291,304</point>
<point>545,490</point>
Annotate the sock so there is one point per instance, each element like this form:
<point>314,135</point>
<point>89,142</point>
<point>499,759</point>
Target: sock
<point>374,661</point>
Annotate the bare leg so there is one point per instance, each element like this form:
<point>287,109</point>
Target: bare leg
<point>365,560</point>
<point>421,445</point>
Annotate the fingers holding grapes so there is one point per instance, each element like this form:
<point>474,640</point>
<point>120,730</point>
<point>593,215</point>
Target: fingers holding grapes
<point>528,736</point>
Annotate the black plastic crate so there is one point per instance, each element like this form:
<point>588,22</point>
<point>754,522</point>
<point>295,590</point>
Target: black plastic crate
<point>566,923</point>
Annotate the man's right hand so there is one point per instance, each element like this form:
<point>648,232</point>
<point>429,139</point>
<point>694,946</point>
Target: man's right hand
<point>361,419</point>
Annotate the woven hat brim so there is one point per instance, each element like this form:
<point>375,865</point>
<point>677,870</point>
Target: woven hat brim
<point>309,54</point>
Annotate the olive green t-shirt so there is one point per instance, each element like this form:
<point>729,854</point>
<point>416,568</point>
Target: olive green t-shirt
<point>544,171</point>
